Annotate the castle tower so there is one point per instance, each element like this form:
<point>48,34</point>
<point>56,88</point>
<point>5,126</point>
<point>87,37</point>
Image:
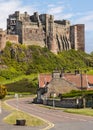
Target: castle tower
<point>44,31</point>
<point>50,31</point>
<point>77,37</point>
<point>62,33</point>
<point>2,39</point>
<point>48,28</point>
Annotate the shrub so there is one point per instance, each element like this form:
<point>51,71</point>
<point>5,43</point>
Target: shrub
<point>24,85</point>
<point>3,91</point>
<point>78,93</point>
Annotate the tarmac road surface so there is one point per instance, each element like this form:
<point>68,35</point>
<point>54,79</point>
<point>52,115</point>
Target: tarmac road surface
<point>57,119</point>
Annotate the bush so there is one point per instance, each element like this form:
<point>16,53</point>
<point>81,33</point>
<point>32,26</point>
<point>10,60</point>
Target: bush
<point>9,73</point>
<point>3,91</point>
<point>24,85</point>
<point>78,93</point>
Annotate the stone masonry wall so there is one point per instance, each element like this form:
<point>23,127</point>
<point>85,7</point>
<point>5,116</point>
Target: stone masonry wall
<point>65,103</point>
<point>43,30</point>
<point>12,38</point>
<point>59,85</point>
<point>61,33</point>
<point>77,37</point>
<point>33,36</point>
<point>2,39</point>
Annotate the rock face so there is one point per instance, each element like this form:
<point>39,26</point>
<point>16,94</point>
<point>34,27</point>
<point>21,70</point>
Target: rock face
<point>43,30</point>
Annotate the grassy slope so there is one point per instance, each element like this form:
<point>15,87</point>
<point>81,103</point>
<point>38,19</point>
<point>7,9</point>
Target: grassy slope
<point>34,59</point>
<point>23,61</point>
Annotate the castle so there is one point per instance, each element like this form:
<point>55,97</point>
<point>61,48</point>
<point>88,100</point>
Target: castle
<point>43,30</point>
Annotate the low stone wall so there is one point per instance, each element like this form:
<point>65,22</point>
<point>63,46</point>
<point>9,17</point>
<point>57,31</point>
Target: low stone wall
<point>65,103</point>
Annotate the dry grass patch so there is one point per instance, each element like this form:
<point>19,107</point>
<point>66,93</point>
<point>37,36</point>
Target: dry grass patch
<point>18,115</point>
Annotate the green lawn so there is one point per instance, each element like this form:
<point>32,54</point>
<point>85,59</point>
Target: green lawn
<point>85,111</point>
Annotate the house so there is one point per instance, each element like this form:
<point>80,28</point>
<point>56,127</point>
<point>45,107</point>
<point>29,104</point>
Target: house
<point>57,83</point>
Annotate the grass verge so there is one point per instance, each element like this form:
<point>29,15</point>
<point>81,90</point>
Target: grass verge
<point>82,111</point>
<point>17,115</point>
<point>85,111</point>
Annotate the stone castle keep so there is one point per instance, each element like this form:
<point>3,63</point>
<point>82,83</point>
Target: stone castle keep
<point>44,31</point>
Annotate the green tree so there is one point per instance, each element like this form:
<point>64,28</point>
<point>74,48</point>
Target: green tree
<point>3,91</point>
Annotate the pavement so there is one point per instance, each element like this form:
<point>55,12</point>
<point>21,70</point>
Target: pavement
<point>4,126</point>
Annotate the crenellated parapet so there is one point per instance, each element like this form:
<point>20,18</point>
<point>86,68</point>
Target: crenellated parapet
<point>43,30</point>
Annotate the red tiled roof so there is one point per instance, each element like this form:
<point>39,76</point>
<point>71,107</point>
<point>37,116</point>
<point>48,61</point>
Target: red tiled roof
<point>75,79</point>
<point>43,79</point>
<point>78,80</point>
<point>90,79</point>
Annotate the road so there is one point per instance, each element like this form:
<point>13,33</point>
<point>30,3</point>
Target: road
<point>58,119</point>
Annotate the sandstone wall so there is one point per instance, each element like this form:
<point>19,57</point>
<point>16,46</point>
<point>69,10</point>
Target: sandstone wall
<point>33,35</point>
<point>12,38</point>
<point>77,37</point>
<point>2,39</point>
<point>61,33</point>
<point>56,35</point>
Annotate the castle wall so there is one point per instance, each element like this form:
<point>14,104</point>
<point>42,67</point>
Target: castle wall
<point>61,33</point>
<point>12,38</point>
<point>77,37</point>
<point>80,37</point>
<point>2,39</point>
<point>42,30</point>
<point>33,35</point>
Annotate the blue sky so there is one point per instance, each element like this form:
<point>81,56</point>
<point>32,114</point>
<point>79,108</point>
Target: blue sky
<point>77,11</point>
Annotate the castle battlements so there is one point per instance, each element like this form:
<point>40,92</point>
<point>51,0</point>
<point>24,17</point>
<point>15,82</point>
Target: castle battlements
<point>43,30</point>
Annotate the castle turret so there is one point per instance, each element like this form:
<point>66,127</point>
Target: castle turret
<point>77,37</point>
<point>2,39</point>
<point>42,30</point>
